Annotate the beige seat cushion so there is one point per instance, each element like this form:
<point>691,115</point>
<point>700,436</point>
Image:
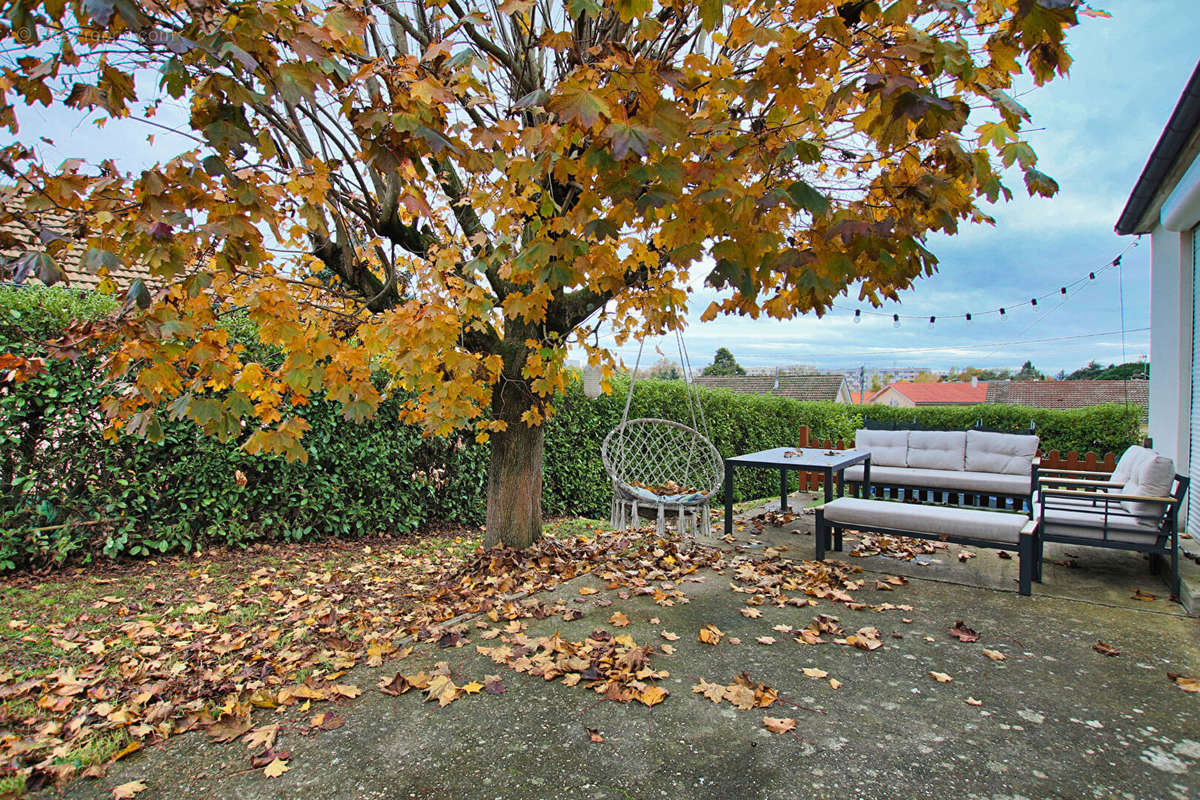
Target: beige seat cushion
<point>986,482</point>
<point>1152,477</point>
<point>1060,522</point>
<point>1007,453</point>
<point>1128,462</point>
<point>888,448</point>
<point>993,526</point>
<point>937,450</point>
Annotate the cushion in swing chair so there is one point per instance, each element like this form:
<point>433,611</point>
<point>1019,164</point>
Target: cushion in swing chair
<point>687,498</point>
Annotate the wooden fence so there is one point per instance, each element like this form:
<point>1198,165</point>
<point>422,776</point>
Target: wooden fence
<point>1087,462</point>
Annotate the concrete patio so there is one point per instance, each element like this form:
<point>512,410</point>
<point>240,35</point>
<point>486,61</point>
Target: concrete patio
<point>1052,718</point>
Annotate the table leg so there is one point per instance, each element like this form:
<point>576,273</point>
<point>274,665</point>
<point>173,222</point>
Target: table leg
<point>841,474</point>
<point>866,481</point>
<point>828,484</point>
<point>783,490</point>
<point>728,498</point>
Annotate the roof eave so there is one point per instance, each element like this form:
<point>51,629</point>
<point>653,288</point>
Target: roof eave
<point>1140,214</point>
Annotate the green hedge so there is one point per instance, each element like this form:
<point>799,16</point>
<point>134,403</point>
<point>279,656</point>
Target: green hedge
<point>57,471</point>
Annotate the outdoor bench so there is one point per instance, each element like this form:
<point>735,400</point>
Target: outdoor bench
<point>969,468</point>
<point>1000,530</point>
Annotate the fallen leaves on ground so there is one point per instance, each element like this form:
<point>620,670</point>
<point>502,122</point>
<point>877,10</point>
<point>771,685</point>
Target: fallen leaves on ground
<point>779,724</point>
<point>202,654</point>
<point>128,790</point>
<point>899,547</point>
<point>1185,683</point>
<point>1105,649</point>
<point>940,677</point>
<point>994,655</point>
<point>276,768</point>
<point>1146,597</point>
<point>962,632</point>
<point>710,634</point>
<point>742,692</point>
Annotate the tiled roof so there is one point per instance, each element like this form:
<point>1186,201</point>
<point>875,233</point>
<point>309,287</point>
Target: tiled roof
<point>1069,394</point>
<point>797,387</point>
<point>21,231</point>
<point>942,394</point>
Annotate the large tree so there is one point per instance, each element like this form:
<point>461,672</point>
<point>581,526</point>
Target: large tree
<point>450,193</point>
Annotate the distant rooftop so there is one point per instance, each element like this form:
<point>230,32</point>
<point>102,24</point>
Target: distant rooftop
<point>798,387</point>
<point>940,394</point>
<point>1070,394</point>
<point>22,230</point>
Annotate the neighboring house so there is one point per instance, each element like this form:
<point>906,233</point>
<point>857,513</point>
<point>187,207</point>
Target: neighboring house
<point>1165,203</point>
<point>903,394</point>
<point>826,388</point>
<point>22,231</point>
<point>1070,394</point>
<point>861,398</point>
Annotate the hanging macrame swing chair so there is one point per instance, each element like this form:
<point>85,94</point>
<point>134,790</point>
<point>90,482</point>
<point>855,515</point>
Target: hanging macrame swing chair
<point>663,467</point>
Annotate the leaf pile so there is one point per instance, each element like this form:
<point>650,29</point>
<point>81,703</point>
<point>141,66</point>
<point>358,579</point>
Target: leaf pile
<point>202,653</point>
<point>902,548</point>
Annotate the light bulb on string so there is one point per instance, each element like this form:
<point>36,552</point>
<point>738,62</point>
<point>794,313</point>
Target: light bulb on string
<point>857,315</point>
<point>968,317</point>
<point>1062,290</point>
<point>895,320</point>
<point>1091,276</point>
<point>1003,316</point>
<point>1033,302</point>
<point>931,321</point>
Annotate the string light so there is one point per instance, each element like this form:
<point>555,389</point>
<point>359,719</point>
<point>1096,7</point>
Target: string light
<point>1033,302</point>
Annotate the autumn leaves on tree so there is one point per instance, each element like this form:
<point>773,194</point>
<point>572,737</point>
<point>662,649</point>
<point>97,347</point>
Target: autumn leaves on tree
<point>438,199</point>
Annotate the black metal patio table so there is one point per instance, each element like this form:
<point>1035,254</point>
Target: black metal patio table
<point>832,463</point>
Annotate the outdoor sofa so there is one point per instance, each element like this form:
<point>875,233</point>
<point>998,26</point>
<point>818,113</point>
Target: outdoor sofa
<point>1136,507</point>
<point>993,470</point>
<point>972,468</point>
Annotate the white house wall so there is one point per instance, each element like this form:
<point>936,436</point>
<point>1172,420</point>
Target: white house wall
<point>1171,300</point>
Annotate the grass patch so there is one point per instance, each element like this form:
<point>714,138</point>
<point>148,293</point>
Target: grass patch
<point>12,786</point>
<point>571,527</point>
<point>99,749</point>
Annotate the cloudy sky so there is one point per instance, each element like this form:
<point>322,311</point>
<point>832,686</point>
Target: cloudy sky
<point>1094,132</point>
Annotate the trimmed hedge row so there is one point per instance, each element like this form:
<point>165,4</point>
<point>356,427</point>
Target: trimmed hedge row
<point>57,471</point>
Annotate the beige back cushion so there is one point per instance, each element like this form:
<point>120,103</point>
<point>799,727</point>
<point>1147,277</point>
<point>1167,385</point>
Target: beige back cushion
<point>888,448</point>
<point>1152,477</point>
<point>937,449</point>
<point>1006,453</point>
<point>1128,462</point>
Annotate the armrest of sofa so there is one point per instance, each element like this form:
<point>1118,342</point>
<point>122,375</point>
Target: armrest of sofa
<point>1107,496</point>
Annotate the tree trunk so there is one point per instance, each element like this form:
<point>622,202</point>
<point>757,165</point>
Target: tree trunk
<point>514,497</point>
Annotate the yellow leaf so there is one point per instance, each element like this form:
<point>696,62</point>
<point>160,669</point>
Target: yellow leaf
<point>474,687</point>
<point>995,655</point>
<point>653,695</point>
<point>834,683</point>
<point>276,768</point>
<point>940,677</point>
<point>971,701</point>
<point>710,634</point>
<point>618,620</point>
<point>813,672</point>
